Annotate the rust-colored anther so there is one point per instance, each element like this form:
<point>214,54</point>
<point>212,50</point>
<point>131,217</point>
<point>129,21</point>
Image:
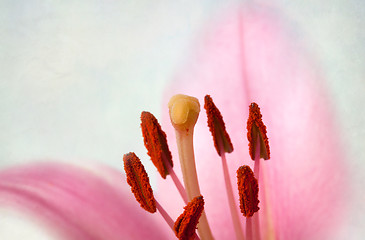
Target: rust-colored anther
<point>185,224</point>
<point>217,127</point>
<point>255,128</point>
<point>138,179</point>
<point>155,142</point>
<point>248,190</point>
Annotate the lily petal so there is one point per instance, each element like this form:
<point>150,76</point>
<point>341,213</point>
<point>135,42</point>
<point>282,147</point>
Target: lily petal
<point>250,56</point>
<point>79,203</point>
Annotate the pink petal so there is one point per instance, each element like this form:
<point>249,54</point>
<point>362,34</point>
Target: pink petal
<point>80,203</point>
<point>306,175</point>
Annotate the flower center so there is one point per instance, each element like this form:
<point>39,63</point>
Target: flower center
<point>184,112</point>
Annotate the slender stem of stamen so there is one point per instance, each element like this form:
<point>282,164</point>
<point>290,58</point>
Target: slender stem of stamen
<point>269,234</point>
<point>256,169</point>
<point>256,220</point>
<point>178,184</point>
<point>248,228</point>
<point>187,161</point>
<point>256,226</point>
<point>165,215</point>
<point>231,199</point>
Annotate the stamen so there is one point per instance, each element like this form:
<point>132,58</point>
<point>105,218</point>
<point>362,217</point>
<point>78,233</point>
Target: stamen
<point>157,148</point>
<point>155,143</point>
<point>265,194</point>
<point>165,215</point>
<point>269,231</point>
<point>256,220</point>
<point>232,204</point>
<point>184,111</point>
<point>223,144</point>
<point>249,234</point>
<point>185,224</point>
<point>138,179</point>
<point>248,190</point>
<point>217,127</point>
<point>258,148</point>
<point>255,128</point>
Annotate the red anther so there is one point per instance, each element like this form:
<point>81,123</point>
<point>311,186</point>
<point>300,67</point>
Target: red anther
<point>248,190</point>
<point>186,223</point>
<point>217,127</point>
<point>138,179</point>
<point>255,127</point>
<point>156,143</point>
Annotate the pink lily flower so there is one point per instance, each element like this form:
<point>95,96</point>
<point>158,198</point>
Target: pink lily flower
<point>254,60</point>
<point>245,56</point>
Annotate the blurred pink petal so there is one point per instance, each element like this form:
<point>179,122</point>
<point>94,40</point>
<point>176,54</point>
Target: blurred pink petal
<point>261,62</point>
<point>80,203</point>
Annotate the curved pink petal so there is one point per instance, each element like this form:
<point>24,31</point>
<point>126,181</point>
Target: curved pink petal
<point>259,61</point>
<point>80,203</point>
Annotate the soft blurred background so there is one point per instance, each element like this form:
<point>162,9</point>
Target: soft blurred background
<point>74,78</point>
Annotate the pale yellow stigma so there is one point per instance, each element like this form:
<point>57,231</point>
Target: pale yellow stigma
<point>184,111</point>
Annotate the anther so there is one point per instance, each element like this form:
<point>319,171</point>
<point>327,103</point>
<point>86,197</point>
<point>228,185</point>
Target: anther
<point>185,224</point>
<point>138,179</point>
<point>255,127</point>
<point>156,144</point>
<point>248,190</point>
<point>217,127</point>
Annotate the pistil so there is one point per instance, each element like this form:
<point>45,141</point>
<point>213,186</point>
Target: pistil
<point>184,111</point>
